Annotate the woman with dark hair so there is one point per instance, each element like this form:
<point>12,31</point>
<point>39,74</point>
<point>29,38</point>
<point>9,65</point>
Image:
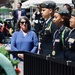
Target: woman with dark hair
<point>61,33</point>
<point>27,21</point>
<point>24,39</point>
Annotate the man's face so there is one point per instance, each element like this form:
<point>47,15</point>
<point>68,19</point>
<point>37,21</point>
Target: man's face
<point>18,5</point>
<point>72,22</point>
<point>45,13</point>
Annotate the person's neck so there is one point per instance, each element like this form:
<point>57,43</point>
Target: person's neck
<point>19,8</point>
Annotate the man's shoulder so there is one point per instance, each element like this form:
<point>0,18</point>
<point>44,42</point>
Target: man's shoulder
<point>67,29</point>
<point>23,9</point>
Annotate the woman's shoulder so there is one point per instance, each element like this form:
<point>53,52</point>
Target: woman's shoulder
<point>32,32</point>
<point>16,32</point>
<point>67,29</point>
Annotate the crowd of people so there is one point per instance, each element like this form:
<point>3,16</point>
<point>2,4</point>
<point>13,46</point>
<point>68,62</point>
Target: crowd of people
<point>53,27</point>
<point>53,32</point>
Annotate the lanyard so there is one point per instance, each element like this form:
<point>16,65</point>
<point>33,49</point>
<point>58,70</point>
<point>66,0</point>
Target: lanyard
<point>63,36</point>
<point>53,51</point>
<point>54,37</point>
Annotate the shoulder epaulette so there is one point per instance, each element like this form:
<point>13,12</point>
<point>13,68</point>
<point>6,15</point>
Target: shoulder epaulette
<point>66,29</point>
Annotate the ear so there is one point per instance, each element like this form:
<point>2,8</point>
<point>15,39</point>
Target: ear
<point>20,25</point>
<point>62,19</point>
<point>50,10</point>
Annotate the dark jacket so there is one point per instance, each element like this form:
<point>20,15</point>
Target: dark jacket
<point>70,46</point>
<point>58,42</point>
<point>46,37</point>
<point>1,37</point>
<point>15,14</point>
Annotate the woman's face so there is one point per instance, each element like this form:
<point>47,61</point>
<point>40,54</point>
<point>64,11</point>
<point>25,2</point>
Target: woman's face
<point>72,22</point>
<point>23,25</point>
<point>57,19</point>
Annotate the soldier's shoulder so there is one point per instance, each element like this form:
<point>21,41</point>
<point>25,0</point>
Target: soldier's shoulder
<point>67,29</point>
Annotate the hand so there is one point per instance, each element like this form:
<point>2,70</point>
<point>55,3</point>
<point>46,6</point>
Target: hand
<point>21,56</point>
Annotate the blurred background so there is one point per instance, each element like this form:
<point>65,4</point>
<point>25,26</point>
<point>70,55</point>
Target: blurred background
<point>8,6</point>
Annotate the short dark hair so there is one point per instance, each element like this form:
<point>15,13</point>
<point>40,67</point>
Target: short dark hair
<point>20,3</point>
<point>19,20</point>
<point>68,7</point>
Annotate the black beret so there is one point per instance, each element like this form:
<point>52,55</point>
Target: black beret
<point>48,4</point>
<point>73,13</point>
<point>63,11</point>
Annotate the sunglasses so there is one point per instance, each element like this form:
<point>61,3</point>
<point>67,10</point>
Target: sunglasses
<point>23,22</point>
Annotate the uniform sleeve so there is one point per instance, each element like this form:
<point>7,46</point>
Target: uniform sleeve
<point>35,42</point>
<point>13,42</point>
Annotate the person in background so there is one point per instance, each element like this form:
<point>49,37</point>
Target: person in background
<point>5,29</point>
<point>60,19</point>
<point>70,40</point>
<point>24,39</point>
<point>2,36</point>
<point>37,19</point>
<point>68,7</point>
<point>18,12</point>
<point>46,34</point>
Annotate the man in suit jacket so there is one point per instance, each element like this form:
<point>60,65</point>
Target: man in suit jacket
<point>18,12</point>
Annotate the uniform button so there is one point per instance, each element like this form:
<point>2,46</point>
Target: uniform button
<point>45,33</point>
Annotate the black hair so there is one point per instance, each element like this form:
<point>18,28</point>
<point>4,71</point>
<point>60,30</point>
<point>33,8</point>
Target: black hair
<point>20,3</point>
<point>68,7</point>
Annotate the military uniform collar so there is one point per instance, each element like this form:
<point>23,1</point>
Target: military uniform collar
<point>72,31</point>
<point>61,28</point>
<point>48,20</point>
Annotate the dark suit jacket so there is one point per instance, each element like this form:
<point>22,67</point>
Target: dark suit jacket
<point>15,14</point>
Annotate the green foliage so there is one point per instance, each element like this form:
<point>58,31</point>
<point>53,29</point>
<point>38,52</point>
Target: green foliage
<point>6,53</point>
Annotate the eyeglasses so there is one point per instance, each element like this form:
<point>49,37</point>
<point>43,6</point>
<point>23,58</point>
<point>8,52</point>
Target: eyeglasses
<point>23,22</point>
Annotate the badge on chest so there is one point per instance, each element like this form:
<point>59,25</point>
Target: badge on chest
<point>71,40</point>
<point>57,40</point>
